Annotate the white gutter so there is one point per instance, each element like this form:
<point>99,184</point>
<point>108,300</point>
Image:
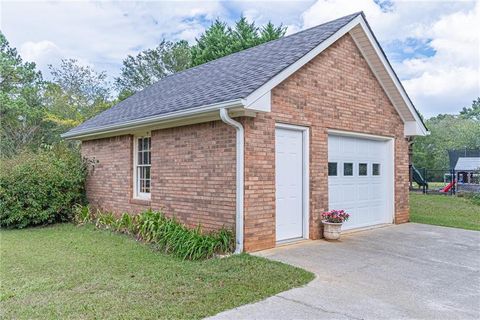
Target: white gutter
<point>240,169</point>
<point>130,124</point>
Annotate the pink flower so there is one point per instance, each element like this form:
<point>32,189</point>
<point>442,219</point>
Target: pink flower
<point>335,216</point>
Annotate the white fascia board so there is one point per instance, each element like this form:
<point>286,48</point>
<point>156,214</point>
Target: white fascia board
<point>262,104</point>
<point>413,128</point>
<point>152,120</point>
<point>288,71</point>
<point>393,76</point>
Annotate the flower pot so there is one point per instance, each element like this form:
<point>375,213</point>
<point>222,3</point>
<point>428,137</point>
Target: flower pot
<point>331,231</point>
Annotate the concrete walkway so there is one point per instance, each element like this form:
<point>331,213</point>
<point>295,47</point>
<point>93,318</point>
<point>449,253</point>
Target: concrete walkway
<point>396,272</point>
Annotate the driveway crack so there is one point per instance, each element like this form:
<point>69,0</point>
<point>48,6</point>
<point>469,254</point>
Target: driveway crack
<point>320,308</point>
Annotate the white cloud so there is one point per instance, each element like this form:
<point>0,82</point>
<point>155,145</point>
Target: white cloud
<point>280,11</point>
<point>42,53</point>
<point>103,33</point>
<point>441,83</point>
<point>100,33</point>
<point>450,79</point>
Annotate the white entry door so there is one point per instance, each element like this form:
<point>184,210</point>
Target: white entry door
<point>289,175</point>
<point>358,179</point>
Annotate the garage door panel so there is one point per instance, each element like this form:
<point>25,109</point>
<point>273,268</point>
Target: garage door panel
<point>348,147</point>
<point>363,191</point>
<point>348,193</point>
<point>334,195</point>
<point>377,191</point>
<point>364,196</point>
<point>362,148</point>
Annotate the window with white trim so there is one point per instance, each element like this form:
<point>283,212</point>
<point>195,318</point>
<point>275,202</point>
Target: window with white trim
<point>142,164</point>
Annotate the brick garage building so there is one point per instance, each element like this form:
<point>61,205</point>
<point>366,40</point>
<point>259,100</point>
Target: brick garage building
<point>263,140</point>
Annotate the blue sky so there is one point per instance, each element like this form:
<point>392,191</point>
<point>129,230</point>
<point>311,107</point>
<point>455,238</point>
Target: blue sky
<point>434,46</point>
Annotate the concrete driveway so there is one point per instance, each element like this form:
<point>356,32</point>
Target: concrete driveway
<point>396,272</point>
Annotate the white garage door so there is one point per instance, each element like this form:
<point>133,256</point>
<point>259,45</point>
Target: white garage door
<point>358,179</point>
<point>289,162</point>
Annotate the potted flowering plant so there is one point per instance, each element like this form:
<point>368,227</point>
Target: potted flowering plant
<point>332,223</point>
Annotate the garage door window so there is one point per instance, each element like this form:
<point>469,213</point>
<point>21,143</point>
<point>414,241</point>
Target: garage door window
<point>376,169</point>
<point>362,169</point>
<point>348,169</point>
<point>332,168</point>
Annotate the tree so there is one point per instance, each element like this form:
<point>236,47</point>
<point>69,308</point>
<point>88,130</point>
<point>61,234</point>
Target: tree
<point>215,42</point>
<point>270,32</point>
<point>75,94</point>
<point>151,65</point>
<point>244,35</point>
<point>21,110</point>
<point>473,112</point>
<point>446,132</point>
<point>220,40</point>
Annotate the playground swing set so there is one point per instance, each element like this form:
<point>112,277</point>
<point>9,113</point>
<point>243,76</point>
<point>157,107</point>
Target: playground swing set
<point>463,175</point>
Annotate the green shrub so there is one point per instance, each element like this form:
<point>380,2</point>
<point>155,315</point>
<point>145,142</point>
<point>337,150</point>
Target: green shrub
<point>40,188</point>
<point>168,234</point>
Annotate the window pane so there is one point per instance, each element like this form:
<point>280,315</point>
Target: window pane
<point>332,168</point>
<point>376,169</point>
<point>348,169</point>
<point>147,172</point>
<point>139,144</point>
<point>146,157</point>
<point>362,169</point>
<point>145,143</point>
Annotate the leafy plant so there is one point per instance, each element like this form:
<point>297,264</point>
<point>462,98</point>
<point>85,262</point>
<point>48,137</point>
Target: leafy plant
<point>127,224</point>
<point>106,220</point>
<point>168,234</point>
<point>82,214</point>
<point>335,216</point>
<point>41,188</point>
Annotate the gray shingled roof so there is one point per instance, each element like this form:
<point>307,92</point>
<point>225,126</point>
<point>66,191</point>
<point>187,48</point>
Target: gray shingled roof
<point>468,164</point>
<point>232,77</point>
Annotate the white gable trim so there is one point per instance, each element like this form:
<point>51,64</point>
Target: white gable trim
<point>381,68</point>
<point>393,77</point>
<point>288,71</point>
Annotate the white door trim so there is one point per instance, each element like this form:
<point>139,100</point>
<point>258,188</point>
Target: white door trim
<point>306,174</point>
<point>357,135</point>
<point>391,168</point>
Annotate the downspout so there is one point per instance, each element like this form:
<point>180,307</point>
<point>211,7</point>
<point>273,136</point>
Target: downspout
<point>239,180</point>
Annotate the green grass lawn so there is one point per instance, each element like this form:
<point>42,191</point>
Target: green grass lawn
<point>65,271</point>
<point>445,211</point>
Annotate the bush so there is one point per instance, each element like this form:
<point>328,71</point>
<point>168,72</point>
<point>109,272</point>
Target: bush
<point>168,234</point>
<point>41,188</point>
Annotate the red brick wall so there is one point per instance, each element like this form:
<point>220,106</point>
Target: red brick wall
<point>193,171</point>
<point>336,90</point>
<point>109,182</point>
<point>193,174</point>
